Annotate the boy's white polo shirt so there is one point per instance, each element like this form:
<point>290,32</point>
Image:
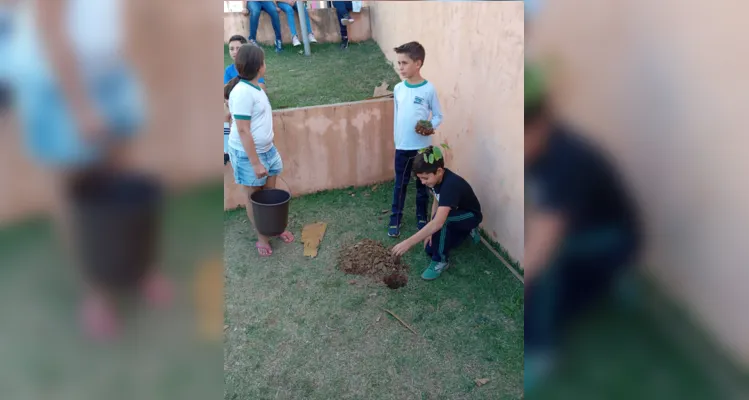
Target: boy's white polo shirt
<point>250,103</point>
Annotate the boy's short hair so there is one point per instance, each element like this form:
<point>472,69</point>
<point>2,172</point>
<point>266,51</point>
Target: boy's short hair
<point>422,166</point>
<point>238,38</point>
<point>414,51</point>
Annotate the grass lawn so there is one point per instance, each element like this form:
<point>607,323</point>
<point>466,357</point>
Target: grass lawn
<point>298,330</point>
<point>327,76</point>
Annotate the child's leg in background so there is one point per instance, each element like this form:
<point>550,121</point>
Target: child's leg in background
<point>306,17</point>
<point>403,164</point>
<point>342,8</point>
<point>289,12</point>
<point>275,167</point>
<point>422,201</point>
<point>456,229</point>
<point>264,241</point>
<point>254,8</point>
<point>275,20</point>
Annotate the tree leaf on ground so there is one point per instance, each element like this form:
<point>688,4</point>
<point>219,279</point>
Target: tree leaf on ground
<point>481,382</point>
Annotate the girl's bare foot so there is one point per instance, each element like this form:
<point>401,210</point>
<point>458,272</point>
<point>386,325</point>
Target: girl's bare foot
<point>158,290</point>
<point>264,249</point>
<point>99,318</point>
<point>287,237</point>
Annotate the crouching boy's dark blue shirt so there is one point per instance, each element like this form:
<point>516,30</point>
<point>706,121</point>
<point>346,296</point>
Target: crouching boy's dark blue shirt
<point>456,193</point>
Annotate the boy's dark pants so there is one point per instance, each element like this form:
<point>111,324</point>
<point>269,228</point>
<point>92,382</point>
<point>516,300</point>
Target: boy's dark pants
<point>581,274</point>
<point>457,228</point>
<point>403,164</point>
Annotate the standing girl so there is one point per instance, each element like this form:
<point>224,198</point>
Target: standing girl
<point>253,155</point>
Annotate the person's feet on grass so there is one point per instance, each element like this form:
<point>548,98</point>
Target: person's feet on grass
<point>157,290</point>
<point>475,236</point>
<point>279,46</point>
<point>287,237</point>
<point>434,270</point>
<point>295,41</point>
<point>311,37</point>
<point>99,318</point>
<point>263,248</point>
<point>344,43</point>
<point>394,230</point>
<point>538,367</point>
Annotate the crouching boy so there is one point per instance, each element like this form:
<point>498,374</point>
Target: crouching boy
<point>456,214</point>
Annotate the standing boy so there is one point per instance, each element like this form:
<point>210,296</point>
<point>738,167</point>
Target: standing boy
<point>456,213</point>
<point>415,100</point>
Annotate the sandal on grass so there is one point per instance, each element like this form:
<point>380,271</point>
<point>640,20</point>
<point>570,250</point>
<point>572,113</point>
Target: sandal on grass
<point>264,250</point>
<point>287,237</point>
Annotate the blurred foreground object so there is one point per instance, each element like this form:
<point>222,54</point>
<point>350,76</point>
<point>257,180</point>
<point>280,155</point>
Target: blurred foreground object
<point>79,104</point>
<point>660,86</point>
<point>582,231</point>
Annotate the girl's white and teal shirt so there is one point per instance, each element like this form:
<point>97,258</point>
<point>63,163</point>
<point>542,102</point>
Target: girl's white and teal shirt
<point>249,102</point>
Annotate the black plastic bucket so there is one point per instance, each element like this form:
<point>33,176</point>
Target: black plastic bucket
<point>116,220</point>
<point>270,208</point>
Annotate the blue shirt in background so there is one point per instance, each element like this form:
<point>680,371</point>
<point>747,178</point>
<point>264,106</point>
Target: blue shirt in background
<point>231,73</point>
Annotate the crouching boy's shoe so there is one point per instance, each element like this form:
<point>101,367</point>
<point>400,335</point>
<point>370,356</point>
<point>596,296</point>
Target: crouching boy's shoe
<point>434,270</point>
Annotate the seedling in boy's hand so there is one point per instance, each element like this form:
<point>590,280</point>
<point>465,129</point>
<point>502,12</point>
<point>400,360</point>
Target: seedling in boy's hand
<point>424,128</point>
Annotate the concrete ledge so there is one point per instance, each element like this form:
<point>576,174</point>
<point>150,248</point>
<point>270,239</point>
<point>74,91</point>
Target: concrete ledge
<point>329,147</point>
<point>325,26</point>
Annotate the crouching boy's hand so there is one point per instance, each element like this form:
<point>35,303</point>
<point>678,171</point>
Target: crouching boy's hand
<point>402,248</point>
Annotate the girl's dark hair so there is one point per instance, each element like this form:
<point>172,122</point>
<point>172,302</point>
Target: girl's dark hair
<point>249,60</point>
<point>422,166</point>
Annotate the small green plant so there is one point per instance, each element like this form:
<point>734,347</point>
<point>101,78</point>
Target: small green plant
<point>432,153</point>
<point>424,128</point>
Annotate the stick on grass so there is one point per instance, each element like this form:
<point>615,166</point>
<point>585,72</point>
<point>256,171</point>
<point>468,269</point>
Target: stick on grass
<point>400,320</point>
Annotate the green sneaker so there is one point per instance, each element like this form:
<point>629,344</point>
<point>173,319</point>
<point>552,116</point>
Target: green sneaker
<point>434,270</point>
<point>475,236</point>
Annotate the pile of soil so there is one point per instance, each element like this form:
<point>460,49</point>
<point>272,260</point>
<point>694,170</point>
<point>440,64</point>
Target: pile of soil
<point>371,258</point>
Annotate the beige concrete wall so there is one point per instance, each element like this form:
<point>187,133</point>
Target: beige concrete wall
<point>324,21</point>
<point>658,88</point>
<point>329,147</point>
<point>474,57</point>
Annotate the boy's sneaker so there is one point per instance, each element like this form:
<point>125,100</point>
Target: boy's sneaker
<point>434,270</point>
<point>253,42</point>
<point>421,224</point>
<point>347,20</point>
<point>295,41</point>
<point>279,46</point>
<point>311,37</point>
<point>344,44</point>
<point>475,236</point>
<point>394,231</point>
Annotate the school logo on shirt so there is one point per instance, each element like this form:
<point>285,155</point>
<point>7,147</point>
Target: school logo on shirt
<point>418,100</point>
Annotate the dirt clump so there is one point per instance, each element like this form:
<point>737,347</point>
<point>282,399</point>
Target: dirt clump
<point>371,258</point>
